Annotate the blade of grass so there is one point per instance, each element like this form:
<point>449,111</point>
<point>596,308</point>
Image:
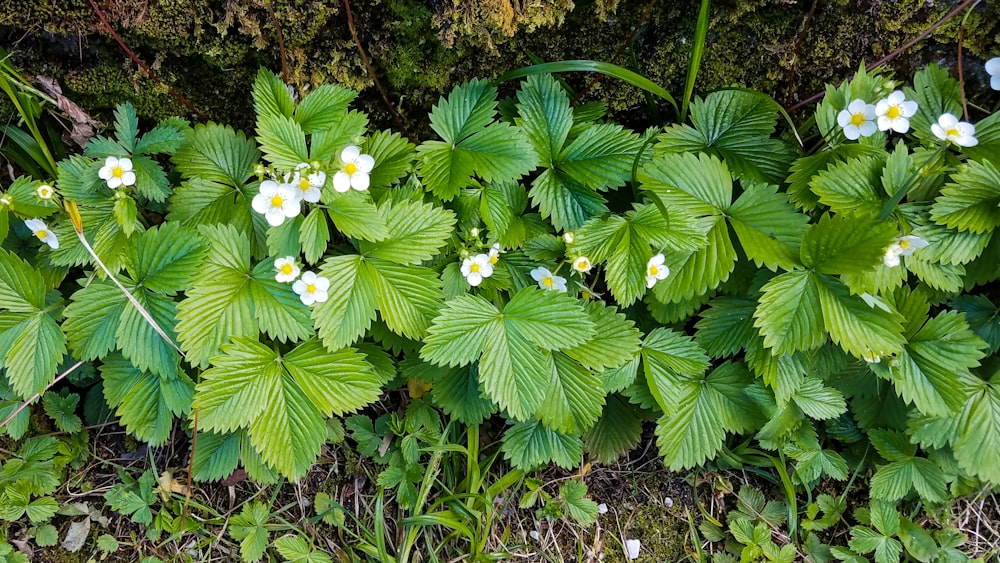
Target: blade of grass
<point>40,393</point>
<point>697,50</point>
<point>586,65</point>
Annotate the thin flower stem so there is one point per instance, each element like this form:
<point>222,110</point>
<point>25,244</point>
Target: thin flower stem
<point>24,405</point>
<point>961,71</point>
<point>897,197</point>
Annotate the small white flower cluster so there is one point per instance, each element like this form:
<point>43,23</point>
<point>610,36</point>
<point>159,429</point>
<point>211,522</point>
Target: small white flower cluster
<point>547,280</point>
<point>862,119</point>
<point>949,128</point>
<point>656,270</point>
<point>311,288</point>
<point>902,246</point>
<point>278,201</point>
<point>480,266</point>
<point>117,172</point>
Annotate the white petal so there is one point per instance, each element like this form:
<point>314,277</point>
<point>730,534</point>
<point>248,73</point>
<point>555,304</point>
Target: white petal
<point>110,162</point>
<point>341,182</point>
<point>474,279</point>
<point>51,240</point>
<point>947,121</point>
<point>852,132</point>
<point>869,112</point>
<point>274,216</point>
<point>867,129</point>
<point>322,284</point>
<point>844,118</point>
<point>857,106</point>
<point>125,163</point>
<point>34,224</point>
<point>882,107</point>
<point>650,281</point>
<point>350,153</point>
<point>312,196</point>
<point>291,208</point>
<point>993,66</point>
<point>466,267</point>
<point>309,278</point>
<point>307,298</point>
<point>901,125</point>
<point>967,141</point>
<point>538,274</point>
<point>360,181</point>
<point>939,132</point>
<point>365,163</point>
<point>486,270</point>
<point>104,173</point>
<point>908,109</point>
<point>655,260</point>
<point>884,123</point>
<point>299,286</point>
<point>320,295</point>
<point>261,203</point>
<point>128,178</point>
<point>268,188</point>
<point>896,97</point>
<point>114,182</point>
<point>995,82</point>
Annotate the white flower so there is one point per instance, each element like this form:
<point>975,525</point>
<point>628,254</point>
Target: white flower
<point>949,128</point>
<point>582,264</point>
<point>495,253</point>
<point>569,237</point>
<point>45,191</point>
<point>655,270</point>
<point>287,270</point>
<point>311,288</point>
<point>354,172</point>
<point>548,281</point>
<point>117,172</point>
<point>476,269</point>
<point>902,246</point>
<point>43,233</point>
<point>276,203</point>
<point>858,120</point>
<point>632,547</point>
<point>993,69</point>
<point>895,112</point>
<point>309,186</point>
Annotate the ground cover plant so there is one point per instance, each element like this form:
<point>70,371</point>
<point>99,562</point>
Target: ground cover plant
<point>533,286</point>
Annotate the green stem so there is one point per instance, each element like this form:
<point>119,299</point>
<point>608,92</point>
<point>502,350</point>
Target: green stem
<point>897,197</point>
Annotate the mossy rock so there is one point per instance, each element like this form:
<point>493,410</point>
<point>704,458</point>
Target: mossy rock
<point>209,50</point>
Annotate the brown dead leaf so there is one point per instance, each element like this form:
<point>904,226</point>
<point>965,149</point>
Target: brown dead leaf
<point>84,127</point>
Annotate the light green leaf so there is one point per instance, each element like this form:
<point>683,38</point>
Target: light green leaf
<point>854,325</point>
<point>977,446</point>
<point>393,157</point>
<point>216,455</point>
<point>574,398</point>
<point>514,372</point>
<point>817,400</point>
<point>696,273</point>
<point>702,183</point>
<point>407,296</point>
<point>529,445</point>
<point>351,301</point>
<point>34,347</point>
<point>282,141</point>
<point>270,95</point>
<point>726,326</point>
<point>248,528</point>
<point>789,315</point>
<point>355,215</point>
<point>458,334</point>
<point>278,310</point>
<point>146,403</point>
<point>550,319</point>
<point>616,340</point>
<point>22,288</point>
<point>165,259</point>
<point>545,116</point>
<point>670,358</point>
<point>768,226</point>
<point>217,154</point>
<point>322,107</point>
<point>566,202</point>
<point>62,410</point>
<point>581,509</point>
<point>852,186</point>
<point>416,230</point>
<point>971,202</point>
<point>845,244</point>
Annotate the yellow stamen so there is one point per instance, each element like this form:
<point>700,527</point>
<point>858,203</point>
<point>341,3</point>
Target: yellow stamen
<point>311,288</point>
<point>350,168</point>
<point>474,267</point>
<point>892,112</point>
<point>653,270</point>
<point>304,185</point>
<point>287,269</point>
<point>117,172</point>
<point>547,282</point>
<point>857,119</point>
<point>277,201</point>
<point>42,234</point>
<point>953,132</point>
<point>494,259</point>
<point>904,244</point>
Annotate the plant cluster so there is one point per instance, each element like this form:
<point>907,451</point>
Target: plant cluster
<point>536,270</point>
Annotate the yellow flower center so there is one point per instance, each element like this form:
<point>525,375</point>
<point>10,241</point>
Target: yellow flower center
<point>277,201</point>
<point>117,172</point>
<point>311,288</point>
<point>350,168</point>
<point>904,244</point>
<point>953,132</point>
<point>857,119</point>
<point>653,270</point>
<point>893,112</point>
<point>42,234</point>
<point>304,184</point>
<point>494,259</point>
<point>474,268</point>
<point>548,281</point>
<point>287,269</point>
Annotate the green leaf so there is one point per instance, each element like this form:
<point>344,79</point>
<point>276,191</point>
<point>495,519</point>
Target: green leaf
<point>574,398</point>
<point>817,400</point>
<point>545,116</point>
<point>857,327</point>
<point>550,319</point>
<point>322,107</point>
<point>768,227</point>
<point>216,455</point>
<point>140,343</point>
<point>134,499</point>
<point>616,340</point>
<point>146,403</point>
<point>271,96</point>
<point>248,528</point>
<point>165,259</point>
<point>853,186</point>
<point>932,371</point>
<point>601,157</point>
<point>700,182</point>
<point>670,358</point>
<point>22,288</point>
<point>407,296</point>
<point>936,93</point>
<point>126,125</point>
<point>904,471</point>
<point>393,157</point>
<point>278,310</point>
<point>218,306</point>
<point>567,203</point>
<point>350,306</point>
<point>282,141</point>
<point>790,315</point>
<point>62,410</point>
<point>977,446</point>
<point>971,202</point>
<point>355,215</point>
<point>528,445</point>
<point>514,371</point>
<point>726,325</point>
<point>845,244</point>
<point>694,424</point>
<point>217,154</point>
<point>150,180</point>
<point>34,347</point>
<point>615,433</point>
<point>283,401</point>
<point>165,138</point>
<point>695,273</point>
<point>736,126</point>
<point>469,108</point>
<point>416,230</point>
<point>581,509</point>
<point>458,334</point>
<point>458,392</point>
